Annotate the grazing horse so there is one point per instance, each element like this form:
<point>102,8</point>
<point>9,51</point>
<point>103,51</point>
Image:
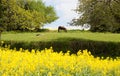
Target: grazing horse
<point>62,28</point>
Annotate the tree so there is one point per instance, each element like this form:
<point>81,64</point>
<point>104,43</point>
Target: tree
<point>102,15</point>
<point>47,13</point>
<point>25,14</point>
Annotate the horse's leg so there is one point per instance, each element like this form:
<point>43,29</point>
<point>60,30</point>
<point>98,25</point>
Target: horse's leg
<point>65,29</point>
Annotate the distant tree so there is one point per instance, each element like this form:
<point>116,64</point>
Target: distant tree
<point>25,14</point>
<point>42,14</point>
<point>102,15</point>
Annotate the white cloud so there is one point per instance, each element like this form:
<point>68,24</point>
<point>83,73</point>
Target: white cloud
<point>64,9</point>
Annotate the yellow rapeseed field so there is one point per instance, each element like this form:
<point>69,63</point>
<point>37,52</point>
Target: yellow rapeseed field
<point>49,63</point>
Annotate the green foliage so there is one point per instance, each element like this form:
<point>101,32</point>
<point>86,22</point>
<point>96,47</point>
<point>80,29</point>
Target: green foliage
<point>43,30</point>
<point>97,48</point>
<point>103,15</point>
<point>25,14</point>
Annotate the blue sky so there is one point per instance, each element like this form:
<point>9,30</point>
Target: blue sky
<point>64,10</point>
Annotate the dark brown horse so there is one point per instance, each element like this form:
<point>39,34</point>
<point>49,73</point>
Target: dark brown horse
<point>62,28</point>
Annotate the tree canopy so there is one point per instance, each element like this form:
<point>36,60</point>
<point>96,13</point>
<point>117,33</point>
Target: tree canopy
<point>102,15</point>
<point>25,14</point>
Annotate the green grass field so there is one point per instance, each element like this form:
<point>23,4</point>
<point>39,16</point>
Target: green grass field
<point>100,44</point>
<point>53,36</point>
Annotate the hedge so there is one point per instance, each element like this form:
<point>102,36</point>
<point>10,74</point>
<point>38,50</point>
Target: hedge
<point>97,48</point>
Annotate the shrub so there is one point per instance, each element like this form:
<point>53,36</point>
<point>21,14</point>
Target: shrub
<point>98,48</point>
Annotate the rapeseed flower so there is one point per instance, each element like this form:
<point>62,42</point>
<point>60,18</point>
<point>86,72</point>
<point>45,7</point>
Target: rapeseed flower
<point>49,63</point>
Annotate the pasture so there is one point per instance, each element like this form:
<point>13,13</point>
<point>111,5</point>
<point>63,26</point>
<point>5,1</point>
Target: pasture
<point>62,36</point>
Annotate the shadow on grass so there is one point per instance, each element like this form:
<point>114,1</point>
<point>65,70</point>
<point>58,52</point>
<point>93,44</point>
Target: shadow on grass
<point>97,48</point>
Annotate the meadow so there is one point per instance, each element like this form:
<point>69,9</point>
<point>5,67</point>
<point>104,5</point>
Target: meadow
<point>54,36</point>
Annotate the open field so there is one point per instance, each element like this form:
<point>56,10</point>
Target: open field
<point>53,36</point>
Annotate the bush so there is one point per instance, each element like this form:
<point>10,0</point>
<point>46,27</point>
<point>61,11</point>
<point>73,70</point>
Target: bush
<point>42,30</point>
<point>98,48</point>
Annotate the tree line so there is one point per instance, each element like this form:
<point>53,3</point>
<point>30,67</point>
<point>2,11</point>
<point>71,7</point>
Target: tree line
<point>102,15</point>
<point>25,14</point>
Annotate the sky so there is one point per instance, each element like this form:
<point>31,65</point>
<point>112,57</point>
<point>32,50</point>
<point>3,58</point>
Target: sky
<point>64,10</point>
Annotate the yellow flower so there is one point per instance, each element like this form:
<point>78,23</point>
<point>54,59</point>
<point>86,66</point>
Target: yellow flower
<point>2,42</point>
<point>49,74</point>
<point>47,62</point>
